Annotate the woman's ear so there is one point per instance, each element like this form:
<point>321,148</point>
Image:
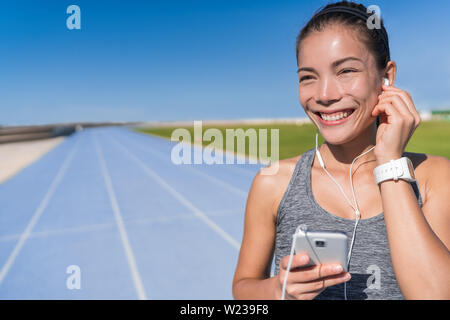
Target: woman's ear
<point>390,73</point>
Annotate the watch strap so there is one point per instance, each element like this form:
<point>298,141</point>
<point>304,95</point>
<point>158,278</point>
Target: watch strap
<point>394,169</point>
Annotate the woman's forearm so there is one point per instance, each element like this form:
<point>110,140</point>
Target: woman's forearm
<point>257,289</point>
<point>421,261</point>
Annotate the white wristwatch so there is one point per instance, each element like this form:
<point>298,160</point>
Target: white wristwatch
<point>395,169</point>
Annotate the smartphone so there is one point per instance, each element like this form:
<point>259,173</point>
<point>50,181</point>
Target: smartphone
<point>323,247</point>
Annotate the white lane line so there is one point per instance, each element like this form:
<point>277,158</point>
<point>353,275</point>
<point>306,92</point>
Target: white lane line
<point>42,206</point>
<point>222,183</point>
<point>237,167</point>
<point>94,228</point>
<point>182,199</point>
<point>123,233</point>
<point>62,232</point>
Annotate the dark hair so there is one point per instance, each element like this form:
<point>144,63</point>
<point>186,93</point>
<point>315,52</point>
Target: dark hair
<point>376,41</point>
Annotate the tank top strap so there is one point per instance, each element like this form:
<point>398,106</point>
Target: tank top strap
<point>417,192</point>
<point>297,187</point>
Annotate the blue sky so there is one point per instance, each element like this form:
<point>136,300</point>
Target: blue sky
<point>189,60</point>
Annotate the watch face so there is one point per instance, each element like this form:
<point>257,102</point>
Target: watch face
<point>411,169</point>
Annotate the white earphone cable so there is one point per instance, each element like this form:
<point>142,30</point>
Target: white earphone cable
<point>303,228</point>
<point>355,207</point>
<point>291,255</point>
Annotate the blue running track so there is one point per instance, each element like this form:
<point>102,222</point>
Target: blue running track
<point>110,202</point>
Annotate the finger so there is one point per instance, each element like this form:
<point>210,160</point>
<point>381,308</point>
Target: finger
<point>316,272</point>
<point>391,115</point>
<point>299,290</point>
<point>395,89</point>
<point>298,260</point>
<point>298,294</point>
<point>407,100</point>
<point>404,94</point>
<point>323,283</point>
<point>406,116</point>
<point>383,108</point>
<point>398,102</point>
<point>391,88</point>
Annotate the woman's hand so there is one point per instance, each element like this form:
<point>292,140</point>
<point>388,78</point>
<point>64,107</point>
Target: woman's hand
<point>398,120</point>
<point>305,283</point>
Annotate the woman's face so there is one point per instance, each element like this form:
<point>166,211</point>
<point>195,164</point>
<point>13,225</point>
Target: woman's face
<point>339,83</point>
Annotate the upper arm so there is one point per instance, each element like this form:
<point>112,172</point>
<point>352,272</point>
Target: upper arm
<point>257,246</point>
<point>436,209</point>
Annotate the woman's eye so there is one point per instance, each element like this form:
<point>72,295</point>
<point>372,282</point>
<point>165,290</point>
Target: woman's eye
<point>305,78</point>
<point>347,70</point>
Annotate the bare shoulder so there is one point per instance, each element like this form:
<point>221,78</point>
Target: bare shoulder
<point>277,172</point>
<point>427,164</point>
<point>432,172</point>
<point>271,182</point>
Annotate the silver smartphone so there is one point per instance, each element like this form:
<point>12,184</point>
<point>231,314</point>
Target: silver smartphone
<point>323,247</point>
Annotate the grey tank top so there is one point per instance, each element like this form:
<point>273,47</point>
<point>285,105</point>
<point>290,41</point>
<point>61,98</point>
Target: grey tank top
<point>370,265</point>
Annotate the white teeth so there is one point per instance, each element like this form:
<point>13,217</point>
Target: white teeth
<point>334,117</point>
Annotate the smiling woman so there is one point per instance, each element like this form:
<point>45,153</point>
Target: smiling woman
<point>349,71</point>
<point>397,223</point>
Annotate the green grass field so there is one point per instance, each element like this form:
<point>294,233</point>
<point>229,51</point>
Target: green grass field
<point>431,137</point>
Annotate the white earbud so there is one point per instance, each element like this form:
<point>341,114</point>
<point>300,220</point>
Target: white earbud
<point>386,82</point>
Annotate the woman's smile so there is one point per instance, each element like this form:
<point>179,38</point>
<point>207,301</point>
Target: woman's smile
<point>335,118</point>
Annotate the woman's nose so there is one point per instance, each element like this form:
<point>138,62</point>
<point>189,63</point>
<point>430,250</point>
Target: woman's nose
<point>327,91</point>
